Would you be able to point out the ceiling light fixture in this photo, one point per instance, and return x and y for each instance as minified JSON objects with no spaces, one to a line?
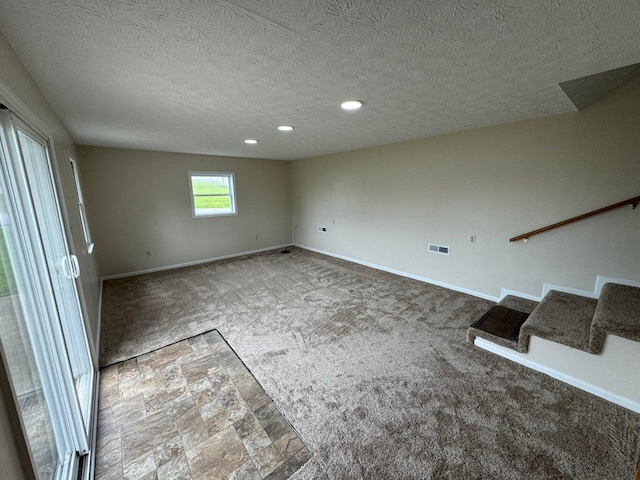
{"x":351,"y":105}
{"x":285,"y":128}
{"x":250,"y":141}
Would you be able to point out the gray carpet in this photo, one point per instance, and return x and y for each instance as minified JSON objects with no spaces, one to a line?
{"x":560,"y":317}
{"x":617,"y":313}
{"x":374,"y":372}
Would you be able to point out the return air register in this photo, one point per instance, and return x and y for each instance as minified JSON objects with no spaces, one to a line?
{"x":441,"y":249}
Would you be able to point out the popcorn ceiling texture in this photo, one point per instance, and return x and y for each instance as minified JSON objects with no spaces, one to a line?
{"x":200,"y":76}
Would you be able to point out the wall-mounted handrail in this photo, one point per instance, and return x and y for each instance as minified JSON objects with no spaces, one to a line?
{"x":525,"y":236}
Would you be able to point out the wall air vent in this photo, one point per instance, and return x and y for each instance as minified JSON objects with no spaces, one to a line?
{"x":441,"y":249}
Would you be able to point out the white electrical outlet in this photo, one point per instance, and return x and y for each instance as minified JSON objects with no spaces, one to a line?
{"x":322,"y":229}
{"x":472,"y":239}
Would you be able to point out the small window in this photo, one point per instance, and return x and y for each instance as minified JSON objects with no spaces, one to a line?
{"x":212,"y":194}
{"x":83,"y":213}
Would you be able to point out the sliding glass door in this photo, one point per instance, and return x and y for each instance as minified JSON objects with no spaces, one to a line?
{"x":42,"y":332}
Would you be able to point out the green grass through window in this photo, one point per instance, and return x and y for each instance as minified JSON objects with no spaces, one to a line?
{"x":212,"y":194}
{"x":212,"y":202}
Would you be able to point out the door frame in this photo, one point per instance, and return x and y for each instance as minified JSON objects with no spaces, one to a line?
{"x":20,"y":110}
{"x":13,"y":102}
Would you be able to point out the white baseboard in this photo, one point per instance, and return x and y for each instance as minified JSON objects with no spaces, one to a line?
{"x":403,"y":274}
{"x":504,"y":292}
{"x":597,"y":289}
{"x":601,"y":280}
{"x":563,"y":377}
{"x":195,"y":262}
{"x":547,"y":287}
{"x":99,"y":332}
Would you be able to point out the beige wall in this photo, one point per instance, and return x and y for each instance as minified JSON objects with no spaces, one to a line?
{"x":15,"y":80}
{"x":389,"y":202}
{"x":139,"y":201}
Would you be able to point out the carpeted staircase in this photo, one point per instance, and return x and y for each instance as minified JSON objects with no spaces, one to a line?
{"x":573,"y":320}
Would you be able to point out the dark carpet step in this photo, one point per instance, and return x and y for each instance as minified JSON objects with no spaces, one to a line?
{"x":501,"y":324}
{"x":502,"y":321}
{"x":617,"y":313}
{"x":562,"y":318}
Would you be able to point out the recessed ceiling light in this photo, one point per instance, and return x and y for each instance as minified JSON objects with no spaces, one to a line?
{"x":351,"y":105}
{"x":285,"y":128}
{"x":251,"y":141}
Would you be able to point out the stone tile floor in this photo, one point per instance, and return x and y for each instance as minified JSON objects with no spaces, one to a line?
{"x":191,"y":410}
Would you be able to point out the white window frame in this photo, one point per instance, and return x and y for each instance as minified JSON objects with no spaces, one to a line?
{"x":83,"y":212}
{"x":232,"y":193}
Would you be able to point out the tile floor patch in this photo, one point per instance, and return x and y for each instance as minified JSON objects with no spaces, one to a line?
{"x":191,"y":410}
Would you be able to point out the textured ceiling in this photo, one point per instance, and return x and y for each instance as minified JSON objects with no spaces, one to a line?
{"x":200,"y":76}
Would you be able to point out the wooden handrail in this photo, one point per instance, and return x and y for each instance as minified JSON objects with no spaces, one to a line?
{"x":525,"y":236}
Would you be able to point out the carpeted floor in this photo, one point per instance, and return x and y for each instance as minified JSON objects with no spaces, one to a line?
{"x":374,"y":372}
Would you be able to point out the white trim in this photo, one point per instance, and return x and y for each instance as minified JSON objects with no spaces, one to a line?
{"x":597,"y":289}
{"x":547,"y":287}
{"x":563,"y":377}
{"x":89,"y":470}
{"x":601,"y":280}
{"x":504,"y":292}
{"x":231,"y":176}
{"x":195,"y":262}
{"x":17,"y":106}
{"x":99,"y":332}
{"x":403,"y":274}
{"x":68,"y":468}
{"x":82,"y":212}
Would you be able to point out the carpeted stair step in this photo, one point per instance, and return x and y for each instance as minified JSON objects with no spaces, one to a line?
{"x":560,"y":317}
{"x":617,"y":313}
{"x":511,"y":310}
